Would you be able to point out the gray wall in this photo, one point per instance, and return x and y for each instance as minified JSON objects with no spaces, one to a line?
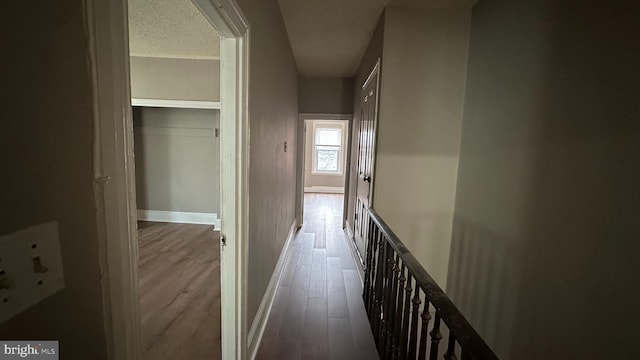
{"x":374,"y":51}
{"x":325,"y":95}
{"x":273,"y":115}
{"x":46,"y":153}
{"x":175,"y":79}
{"x":177,"y":159}
{"x":545,"y":244}
{"x":420,"y":118}
{"x":311,"y":179}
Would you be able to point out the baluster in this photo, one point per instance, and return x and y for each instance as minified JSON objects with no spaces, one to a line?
{"x":367,"y":271}
{"x":399,"y":310}
{"x":374,"y":272}
{"x":451,"y":348}
{"x":405,"y":318}
{"x":377,"y":295}
{"x":382,"y":316}
{"x":413,"y":339}
{"x":424,"y":329}
{"x":382,"y":330}
{"x":392,"y":303}
{"x":374,"y":276}
{"x":435,"y":337}
{"x":363,"y":211}
{"x":368,"y":226}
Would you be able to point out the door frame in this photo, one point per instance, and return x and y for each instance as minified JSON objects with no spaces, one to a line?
{"x":114,"y":173}
{"x":300,"y":162}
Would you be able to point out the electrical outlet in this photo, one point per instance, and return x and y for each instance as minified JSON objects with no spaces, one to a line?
{"x":30,"y":268}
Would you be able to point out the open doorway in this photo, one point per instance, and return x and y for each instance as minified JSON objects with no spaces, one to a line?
{"x":323,"y":157}
{"x":115,"y":175}
{"x":175,"y":93}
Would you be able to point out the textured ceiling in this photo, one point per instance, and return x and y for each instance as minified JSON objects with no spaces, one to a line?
{"x":170,"y":28}
{"x":329,"y":37}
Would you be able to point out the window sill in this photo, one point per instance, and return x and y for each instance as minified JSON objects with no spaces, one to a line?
{"x":316,"y":173}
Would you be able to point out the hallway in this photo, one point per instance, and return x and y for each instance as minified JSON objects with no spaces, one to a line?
{"x":318,"y":311}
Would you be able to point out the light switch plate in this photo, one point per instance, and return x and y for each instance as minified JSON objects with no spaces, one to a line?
{"x":30,"y":268}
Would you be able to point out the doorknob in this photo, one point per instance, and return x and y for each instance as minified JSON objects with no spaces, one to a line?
{"x":367,"y":179}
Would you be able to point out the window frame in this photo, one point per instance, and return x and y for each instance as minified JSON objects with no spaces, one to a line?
{"x":324,"y":124}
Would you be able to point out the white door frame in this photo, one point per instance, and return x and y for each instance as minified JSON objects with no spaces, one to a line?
{"x":114,"y":175}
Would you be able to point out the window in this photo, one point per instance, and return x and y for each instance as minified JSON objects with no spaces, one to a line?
{"x":327,"y":154}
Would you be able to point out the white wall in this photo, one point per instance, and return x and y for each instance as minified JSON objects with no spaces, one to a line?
{"x":325,"y":95}
{"x":544,"y":260}
{"x":315,"y":179}
{"x":175,"y":79}
{"x":177,"y":159}
{"x":421,"y":102}
{"x":273,"y":118}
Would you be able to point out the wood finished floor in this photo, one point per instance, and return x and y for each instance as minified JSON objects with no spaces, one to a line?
{"x":179,"y":272}
{"x":318,"y":312}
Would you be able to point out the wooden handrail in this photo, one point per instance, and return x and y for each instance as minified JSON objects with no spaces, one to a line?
{"x":473,"y":347}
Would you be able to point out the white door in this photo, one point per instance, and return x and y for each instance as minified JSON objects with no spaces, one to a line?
{"x":366,"y":153}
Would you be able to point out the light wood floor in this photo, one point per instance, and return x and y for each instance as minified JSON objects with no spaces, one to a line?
{"x":318,"y":312}
{"x":179,"y":291}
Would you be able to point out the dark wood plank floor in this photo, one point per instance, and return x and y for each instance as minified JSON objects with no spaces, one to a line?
{"x":318,"y":312}
{"x":179,"y":291}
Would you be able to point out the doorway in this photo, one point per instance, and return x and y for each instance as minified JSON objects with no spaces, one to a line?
{"x":115,"y":178}
{"x":323,"y":157}
{"x":175,"y":92}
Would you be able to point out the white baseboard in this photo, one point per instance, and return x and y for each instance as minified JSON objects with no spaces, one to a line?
{"x":347,"y":229}
{"x":354,"y":253}
{"x":260,"y":321}
{"x":324,"y":189}
{"x":180,"y":217}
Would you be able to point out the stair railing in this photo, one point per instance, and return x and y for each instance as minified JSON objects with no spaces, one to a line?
{"x":401,"y":299}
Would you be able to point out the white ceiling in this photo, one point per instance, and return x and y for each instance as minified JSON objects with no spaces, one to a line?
{"x":329,"y":37}
{"x":172,"y":29}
